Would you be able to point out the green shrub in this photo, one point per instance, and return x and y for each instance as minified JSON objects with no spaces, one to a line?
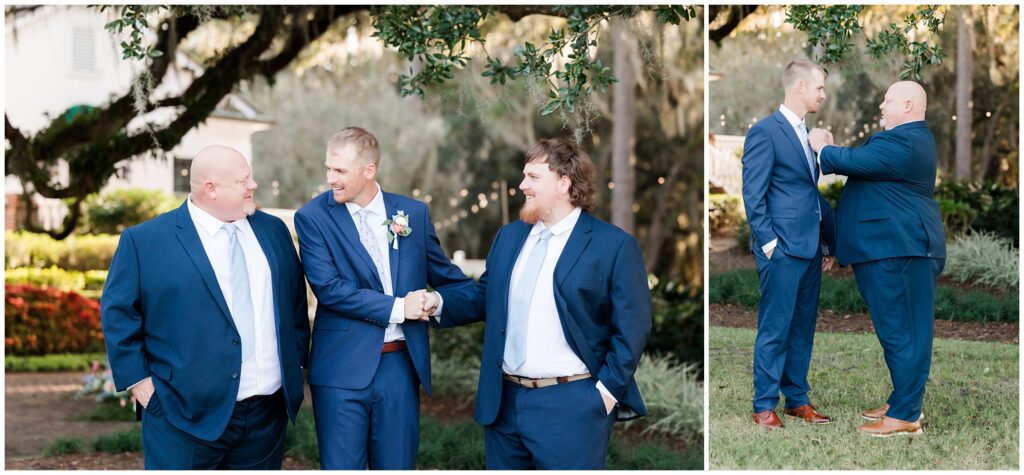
{"x":119,"y":442}
{"x":983,"y":259}
{"x":77,"y":252}
{"x":115,"y":210}
{"x":677,"y":321}
{"x":742,"y":234}
{"x":53,"y":362}
{"x":993,"y":207}
{"x":43,"y":321}
{"x":724,"y":213}
{"x":64,"y":446}
{"x":51,"y":277}
{"x":673,"y":396}
{"x":455,"y":376}
{"x":832,"y":191}
{"x":839,"y":294}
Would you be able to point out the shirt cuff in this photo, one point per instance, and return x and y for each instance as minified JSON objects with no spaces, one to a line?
{"x":129,"y":388}
{"x":440,"y":303}
{"x":604,"y":390}
{"x":398,"y":311}
{"x":767,"y":248}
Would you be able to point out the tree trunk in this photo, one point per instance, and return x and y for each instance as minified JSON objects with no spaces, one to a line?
{"x":964,"y":70}
{"x":623,"y":124}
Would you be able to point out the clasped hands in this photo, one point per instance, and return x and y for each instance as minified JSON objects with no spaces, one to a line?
{"x":420,"y":304}
{"x":819,"y":138}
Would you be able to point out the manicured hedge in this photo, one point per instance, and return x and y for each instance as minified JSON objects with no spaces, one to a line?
{"x":41,"y":321}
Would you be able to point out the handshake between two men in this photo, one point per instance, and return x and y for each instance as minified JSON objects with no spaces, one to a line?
{"x":420,"y":305}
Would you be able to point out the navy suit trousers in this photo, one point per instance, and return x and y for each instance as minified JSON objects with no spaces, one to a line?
{"x":253,"y":439}
{"x":900,"y":293}
{"x":376,"y":427}
{"x":786,"y":316}
{"x":560,"y":427}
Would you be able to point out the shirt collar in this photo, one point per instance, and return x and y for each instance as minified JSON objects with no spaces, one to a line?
{"x":208,"y":223}
{"x":563,"y":226}
{"x":790,"y":116}
{"x":376,"y":205}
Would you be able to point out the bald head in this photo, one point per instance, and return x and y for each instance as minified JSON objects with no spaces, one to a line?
{"x":905,"y":101}
{"x":222,"y":184}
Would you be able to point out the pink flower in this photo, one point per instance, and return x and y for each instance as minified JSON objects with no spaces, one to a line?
{"x":397,"y":229}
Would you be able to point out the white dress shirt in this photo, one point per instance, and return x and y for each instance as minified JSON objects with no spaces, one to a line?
{"x":261,"y":373}
{"x":375,"y":220}
{"x":548,"y":355}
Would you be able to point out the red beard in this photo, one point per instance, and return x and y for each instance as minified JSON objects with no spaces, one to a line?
{"x":529,"y":213}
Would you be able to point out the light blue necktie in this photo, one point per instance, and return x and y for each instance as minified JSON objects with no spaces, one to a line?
{"x":370,"y":243}
{"x":519,"y":304}
{"x":241,"y":296}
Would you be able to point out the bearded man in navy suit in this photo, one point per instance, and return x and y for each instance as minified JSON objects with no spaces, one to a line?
{"x":567,"y":315}
{"x":892,"y":234}
{"x":204,"y":316}
{"x":792,"y":228}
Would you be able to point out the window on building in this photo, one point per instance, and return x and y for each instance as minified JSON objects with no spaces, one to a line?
{"x":181,"y":178}
{"x":83,"y":49}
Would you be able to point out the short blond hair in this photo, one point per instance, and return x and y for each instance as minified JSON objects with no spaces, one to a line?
{"x":799,"y":69}
{"x":365,"y":143}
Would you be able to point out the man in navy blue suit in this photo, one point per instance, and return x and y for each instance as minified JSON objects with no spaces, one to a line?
{"x":204,"y":316}
{"x":791,"y":229}
{"x":368,"y":256}
{"x":892,"y":235}
{"x":568,"y":314}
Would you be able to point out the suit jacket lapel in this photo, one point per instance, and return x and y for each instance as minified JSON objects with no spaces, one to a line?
{"x":188,"y":236}
{"x":517,"y":238}
{"x":348,"y":229}
{"x":574,"y":247}
{"x":391,"y":208}
{"x":268,"y":250}
{"x":787,"y":130}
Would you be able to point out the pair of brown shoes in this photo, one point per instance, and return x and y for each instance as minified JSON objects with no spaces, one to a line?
{"x":884,"y":426}
{"x":769,"y":420}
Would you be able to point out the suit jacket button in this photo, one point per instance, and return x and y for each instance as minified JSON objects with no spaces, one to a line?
{"x":234,"y":341}
{"x":234,"y":376}
{"x":499,"y":364}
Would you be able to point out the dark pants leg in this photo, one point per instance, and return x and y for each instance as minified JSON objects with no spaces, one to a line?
{"x":786,"y":317}
{"x":253,"y":439}
{"x":376,"y":427}
{"x":560,"y":427}
{"x":900,"y":293}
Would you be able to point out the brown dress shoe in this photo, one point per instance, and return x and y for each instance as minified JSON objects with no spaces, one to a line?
{"x":768,"y":419}
{"x":878,"y":413}
{"x":888,"y":427}
{"x":807,"y":413}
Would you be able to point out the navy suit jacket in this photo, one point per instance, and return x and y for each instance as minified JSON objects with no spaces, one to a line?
{"x":352,"y":310}
{"x":165,"y":316}
{"x":780,"y":194}
{"x":603,"y":303}
{"x":887,"y":209}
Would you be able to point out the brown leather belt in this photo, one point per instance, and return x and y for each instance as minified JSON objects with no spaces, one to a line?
{"x":397,"y":345}
{"x":536,"y":383}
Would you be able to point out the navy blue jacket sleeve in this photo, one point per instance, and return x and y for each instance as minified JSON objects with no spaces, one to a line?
{"x":121,"y":318}
{"x":339,"y":295}
{"x":758,"y":160}
{"x":630,"y":319}
{"x":885,"y":156}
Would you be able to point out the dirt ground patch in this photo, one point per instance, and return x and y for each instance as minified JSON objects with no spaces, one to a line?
{"x":828,"y":321}
{"x":105,"y":461}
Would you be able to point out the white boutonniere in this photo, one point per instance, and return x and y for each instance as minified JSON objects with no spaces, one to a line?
{"x":398,"y":226}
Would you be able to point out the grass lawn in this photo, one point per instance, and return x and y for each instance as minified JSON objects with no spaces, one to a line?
{"x":971,"y":408}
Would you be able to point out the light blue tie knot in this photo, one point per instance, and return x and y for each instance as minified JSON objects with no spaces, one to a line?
{"x":241,"y":295}
{"x":519,"y":304}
